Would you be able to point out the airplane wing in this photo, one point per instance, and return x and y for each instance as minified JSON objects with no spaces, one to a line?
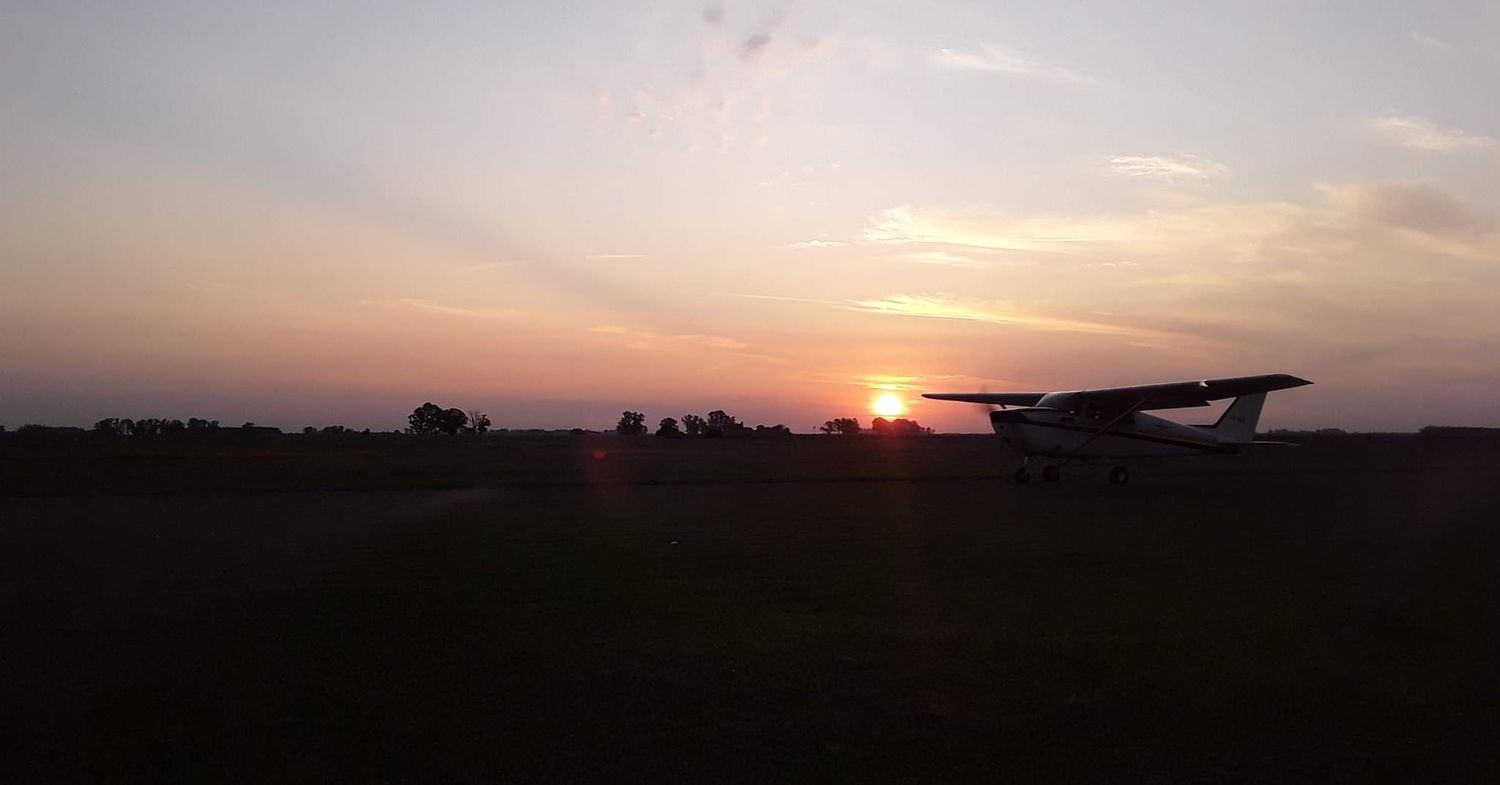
{"x":1178,"y":395}
{"x":1004,"y":399}
{"x":1170,"y":395}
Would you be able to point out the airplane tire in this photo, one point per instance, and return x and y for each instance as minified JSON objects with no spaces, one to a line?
{"x":1022,"y":476}
{"x":1051,"y":473}
{"x":1119,"y":476}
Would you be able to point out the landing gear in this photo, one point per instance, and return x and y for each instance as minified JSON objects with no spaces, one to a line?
{"x":1119,"y":476}
{"x":1022,"y":476}
{"x":1051,"y":473}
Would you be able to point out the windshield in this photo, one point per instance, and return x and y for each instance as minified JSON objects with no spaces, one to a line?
{"x":1066,"y":401}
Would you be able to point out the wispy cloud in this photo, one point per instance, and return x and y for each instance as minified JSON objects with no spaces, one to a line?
{"x":949,"y":307}
{"x":1414,"y":214}
{"x":981,"y":229}
{"x":1169,"y":169}
{"x":1419,"y":133}
{"x":947,"y":259}
{"x":1422,"y":216}
{"x":995,"y":59}
{"x":817,"y":244}
{"x":755,"y":46}
{"x":1428,"y":40}
{"x":653,"y":341}
{"x":613,"y":257}
{"x":432,"y":307}
{"x":497,"y":265}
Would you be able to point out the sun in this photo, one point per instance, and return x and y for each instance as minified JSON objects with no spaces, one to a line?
{"x":888,"y":405}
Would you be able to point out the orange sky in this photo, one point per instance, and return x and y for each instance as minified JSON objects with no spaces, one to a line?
{"x":296,"y":216}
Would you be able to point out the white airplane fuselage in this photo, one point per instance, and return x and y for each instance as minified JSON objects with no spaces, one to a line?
{"x":1061,"y":434}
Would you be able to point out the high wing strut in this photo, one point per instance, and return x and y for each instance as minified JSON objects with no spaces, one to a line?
{"x":1096,"y":434}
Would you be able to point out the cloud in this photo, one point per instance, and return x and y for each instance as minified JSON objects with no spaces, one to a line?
{"x":1224,"y":232}
{"x":995,"y":59}
{"x":755,"y":46}
{"x":710,"y":341}
{"x":1417,"y":214}
{"x":817,"y":244}
{"x":652,"y":341}
{"x":1424,"y":217}
{"x":1419,"y":133}
{"x":707,"y":81}
{"x":949,"y":307}
{"x":1421,"y":207}
{"x":1169,"y":169}
{"x":496,"y":265}
{"x":1370,"y":282}
{"x":1428,"y":40}
{"x":613,"y":257}
{"x":431,"y":307}
{"x":947,"y":258}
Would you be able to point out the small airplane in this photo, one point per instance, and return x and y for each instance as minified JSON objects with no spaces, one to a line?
{"x":1111,"y":422}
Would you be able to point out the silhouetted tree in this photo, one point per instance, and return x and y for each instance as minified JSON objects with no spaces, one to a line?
{"x":479,"y":422}
{"x":429,"y":419}
{"x":110,"y":426}
{"x":693,"y":424}
{"x":309,"y":430}
{"x":719,"y":423}
{"x":843,"y":426}
{"x":668,"y":428}
{"x":772,"y":430}
{"x":631,"y":424}
{"x":898,"y":427}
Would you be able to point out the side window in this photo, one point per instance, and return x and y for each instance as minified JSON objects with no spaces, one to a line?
{"x":1104,"y":414}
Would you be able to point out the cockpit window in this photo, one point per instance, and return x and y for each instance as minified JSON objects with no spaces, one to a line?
{"x":1066,"y":401}
{"x":1104,"y":414}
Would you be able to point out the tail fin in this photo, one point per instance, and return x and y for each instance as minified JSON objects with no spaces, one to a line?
{"x":1237,"y":424}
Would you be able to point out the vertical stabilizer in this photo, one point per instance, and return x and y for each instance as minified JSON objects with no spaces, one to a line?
{"x":1237,"y":424}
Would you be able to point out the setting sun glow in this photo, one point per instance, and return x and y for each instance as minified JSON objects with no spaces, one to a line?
{"x":888,"y":405}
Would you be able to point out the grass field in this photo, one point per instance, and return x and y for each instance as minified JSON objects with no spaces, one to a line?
{"x":809,"y":609}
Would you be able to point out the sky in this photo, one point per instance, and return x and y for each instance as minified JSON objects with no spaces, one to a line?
{"x":318,"y":213}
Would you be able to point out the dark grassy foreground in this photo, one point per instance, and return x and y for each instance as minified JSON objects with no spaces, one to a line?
{"x":803,"y":610}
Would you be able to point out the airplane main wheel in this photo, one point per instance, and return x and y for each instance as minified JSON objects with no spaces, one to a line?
{"x":1022,"y":476}
{"x":1118,"y":476}
{"x":1051,"y":473}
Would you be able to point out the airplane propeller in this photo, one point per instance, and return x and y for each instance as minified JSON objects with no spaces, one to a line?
{"x":991,"y":408}
{"x":987,"y":407}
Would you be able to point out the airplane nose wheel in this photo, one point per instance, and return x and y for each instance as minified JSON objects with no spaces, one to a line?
{"x":1051,"y":473}
{"x":1022,"y":476}
{"x":1119,"y":476}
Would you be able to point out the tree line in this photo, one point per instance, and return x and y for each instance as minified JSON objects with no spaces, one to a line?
{"x":848,"y":426}
{"x":429,"y":419}
{"x":717,"y":424}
